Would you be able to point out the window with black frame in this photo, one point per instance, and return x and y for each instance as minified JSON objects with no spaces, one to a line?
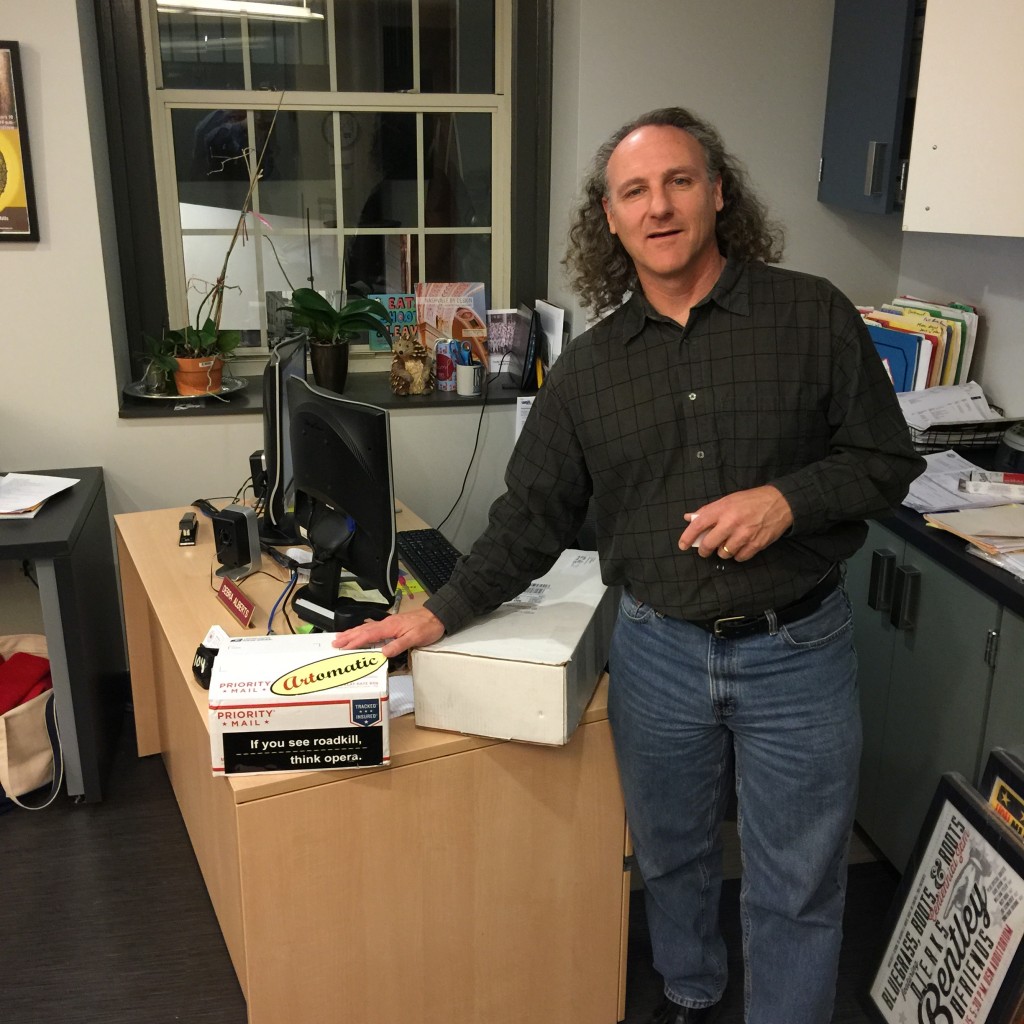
{"x":369,"y":182}
{"x":371,"y":132}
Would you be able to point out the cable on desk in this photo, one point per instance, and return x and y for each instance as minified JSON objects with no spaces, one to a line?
{"x":476,"y":441}
{"x":284,"y":597}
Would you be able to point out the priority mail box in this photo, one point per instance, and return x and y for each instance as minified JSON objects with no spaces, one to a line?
{"x":294,"y":703}
{"x":528,"y":670}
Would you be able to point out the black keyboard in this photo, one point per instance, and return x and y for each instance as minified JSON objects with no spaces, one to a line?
{"x":429,"y":555}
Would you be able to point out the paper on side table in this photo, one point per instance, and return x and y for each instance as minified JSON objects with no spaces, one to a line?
{"x":22,"y":493}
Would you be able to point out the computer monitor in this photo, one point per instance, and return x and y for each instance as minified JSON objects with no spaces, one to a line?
{"x":276,"y":523}
{"x":344,"y":504}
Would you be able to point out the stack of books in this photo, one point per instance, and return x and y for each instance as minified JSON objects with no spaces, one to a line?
{"x":923,"y":343}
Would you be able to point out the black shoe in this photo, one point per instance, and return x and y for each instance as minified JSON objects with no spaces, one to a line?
{"x":672,"y":1013}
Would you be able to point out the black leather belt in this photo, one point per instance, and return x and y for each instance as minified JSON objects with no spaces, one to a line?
{"x":730,"y":627}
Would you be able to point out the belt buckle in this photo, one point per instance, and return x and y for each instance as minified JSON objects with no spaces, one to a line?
{"x":716,"y":626}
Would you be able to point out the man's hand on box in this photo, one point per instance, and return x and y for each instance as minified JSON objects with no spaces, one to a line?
{"x":402,"y":631}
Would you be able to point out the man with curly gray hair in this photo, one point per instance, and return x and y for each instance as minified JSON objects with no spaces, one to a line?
{"x":730,"y":426}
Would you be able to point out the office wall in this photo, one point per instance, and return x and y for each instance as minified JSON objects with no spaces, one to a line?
{"x":58,"y":400}
{"x":758,"y":72}
{"x":987,"y":272}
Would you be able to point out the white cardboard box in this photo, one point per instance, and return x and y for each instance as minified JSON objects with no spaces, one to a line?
{"x":528,"y":670}
{"x":294,"y":703}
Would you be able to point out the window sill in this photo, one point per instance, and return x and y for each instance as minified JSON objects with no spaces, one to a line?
{"x":372,"y":388}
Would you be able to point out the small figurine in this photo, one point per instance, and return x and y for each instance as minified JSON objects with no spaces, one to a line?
{"x":412,"y":366}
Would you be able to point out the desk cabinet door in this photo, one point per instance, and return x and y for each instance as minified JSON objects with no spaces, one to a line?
{"x":937,"y":693}
{"x":1005,"y":726}
{"x":873,"y":636}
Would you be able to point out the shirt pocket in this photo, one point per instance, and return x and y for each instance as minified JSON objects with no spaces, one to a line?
{"x":766,"y":429}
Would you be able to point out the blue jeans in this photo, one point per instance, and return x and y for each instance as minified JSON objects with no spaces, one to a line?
{"x":782,"y":710}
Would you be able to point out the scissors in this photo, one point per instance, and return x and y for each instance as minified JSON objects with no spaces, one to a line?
{"x":463,"y":353}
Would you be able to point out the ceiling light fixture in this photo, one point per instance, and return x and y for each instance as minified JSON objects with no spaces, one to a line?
{"x":236,"y":8}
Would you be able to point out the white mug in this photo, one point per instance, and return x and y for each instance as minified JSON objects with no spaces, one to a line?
{"x":469,"y":380}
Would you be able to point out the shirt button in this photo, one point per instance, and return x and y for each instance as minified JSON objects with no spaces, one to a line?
{"x":692,"y":396}
{"x":700,"y":455}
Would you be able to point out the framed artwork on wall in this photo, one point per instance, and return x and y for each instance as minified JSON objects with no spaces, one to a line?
{"x":18,"y":222}
{"x":953,"y":951}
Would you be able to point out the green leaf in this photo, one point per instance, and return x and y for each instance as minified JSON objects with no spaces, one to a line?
{"x":366,"y":321}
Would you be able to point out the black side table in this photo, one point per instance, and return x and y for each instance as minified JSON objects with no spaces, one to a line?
{"x":69,"y":543}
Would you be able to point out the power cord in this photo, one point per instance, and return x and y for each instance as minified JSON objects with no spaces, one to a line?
{"x":476,"y":441}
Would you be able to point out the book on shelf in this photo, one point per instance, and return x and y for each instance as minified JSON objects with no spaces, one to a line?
{"x":401,"y":308}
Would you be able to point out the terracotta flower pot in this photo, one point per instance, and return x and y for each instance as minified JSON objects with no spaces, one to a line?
{"x":199,"y":376}
{"x":330,"y":365}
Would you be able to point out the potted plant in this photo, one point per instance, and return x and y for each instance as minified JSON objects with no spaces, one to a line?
{"x":157,"y":376}
{"x":330,"y":330}
{"x":199,"y":354}
{"x":195,"y":354}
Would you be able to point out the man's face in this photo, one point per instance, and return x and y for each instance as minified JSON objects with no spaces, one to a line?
{"x":661,"y":204}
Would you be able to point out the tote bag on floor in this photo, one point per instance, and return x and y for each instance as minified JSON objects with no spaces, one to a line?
{"x":30,"y":754}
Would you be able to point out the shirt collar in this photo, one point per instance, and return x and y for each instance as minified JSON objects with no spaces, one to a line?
{"x":731,"y":292}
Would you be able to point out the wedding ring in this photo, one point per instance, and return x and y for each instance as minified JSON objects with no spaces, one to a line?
{"x":725,"y":550}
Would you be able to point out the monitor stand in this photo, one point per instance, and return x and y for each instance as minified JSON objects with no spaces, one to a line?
{"x":345,"y":613}
{"x":287,"y":534}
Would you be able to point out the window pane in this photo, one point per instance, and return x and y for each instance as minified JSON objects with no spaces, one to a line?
{"x":298,"y":169}
{"x":378,"y":169}
{"x":373,"y":41}
{"x":374,"y":46}
{"x":204,"y":258}
{"x":210,"y":156}
{"x":200,"y":51}
{"x":456,"y":46}
{"x":287,"y":259}
{"x":459,"y":258}
{"x":457,"y":166}
{"x":381,"y":264}
{"x":290,"y":54}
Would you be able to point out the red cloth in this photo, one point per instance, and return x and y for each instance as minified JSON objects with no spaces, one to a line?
{"x":22,"y":677}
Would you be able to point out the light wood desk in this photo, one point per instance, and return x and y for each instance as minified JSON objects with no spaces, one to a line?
{"x":473,"y":880}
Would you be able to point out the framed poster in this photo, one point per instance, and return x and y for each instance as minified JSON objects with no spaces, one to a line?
{"x":18,"y":221}
{"x":953,"y":952}
{"x":1002,"y":786}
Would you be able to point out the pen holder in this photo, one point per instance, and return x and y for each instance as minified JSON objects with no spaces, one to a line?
{"x":469,"y":380}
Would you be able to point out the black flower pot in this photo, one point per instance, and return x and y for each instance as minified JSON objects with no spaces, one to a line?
{"x":330,"y":365}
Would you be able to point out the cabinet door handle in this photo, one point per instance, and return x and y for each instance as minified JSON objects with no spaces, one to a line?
{"x":873,"y":170}
{"x":903,"y":614}
{"x":883,"y":564}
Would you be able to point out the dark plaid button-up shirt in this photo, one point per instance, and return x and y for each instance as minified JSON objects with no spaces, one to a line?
{"x":773,"y":380}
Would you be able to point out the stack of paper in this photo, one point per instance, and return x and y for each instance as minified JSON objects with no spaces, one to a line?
{"x":923,"y":343}
{"x":955,"y":416}
{"x":22,"y":494}
{"x":940,"y":487}
{"x":998,"y":530}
